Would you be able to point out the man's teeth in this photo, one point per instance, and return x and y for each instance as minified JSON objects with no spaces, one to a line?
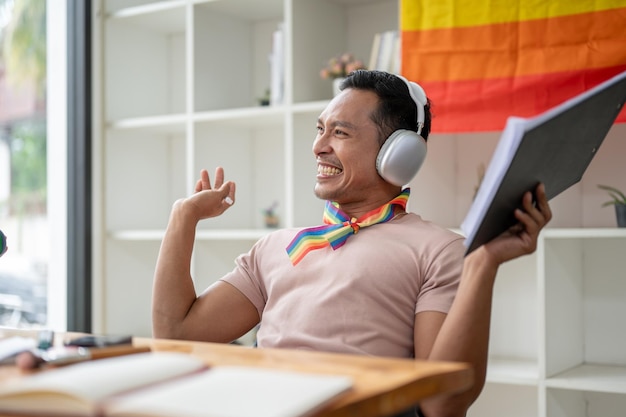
{"x":326,"y":170}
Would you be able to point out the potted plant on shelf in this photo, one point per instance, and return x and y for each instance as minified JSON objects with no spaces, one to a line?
{"x":270,"y":217}
{"x":618,"y":199}
{"x":338,"y":67}
{"x":265,"y":99}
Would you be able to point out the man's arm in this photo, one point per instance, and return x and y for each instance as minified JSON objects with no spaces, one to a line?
{"x":463,"y":335}
{"x":221,"y":313}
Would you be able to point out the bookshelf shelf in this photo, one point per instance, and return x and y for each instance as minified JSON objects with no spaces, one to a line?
{"x":244,"y":117}
{"x":513,"y":371}
{"x":174,"y":123}
{"x":208,"y":235}
{"x":597,"y":378}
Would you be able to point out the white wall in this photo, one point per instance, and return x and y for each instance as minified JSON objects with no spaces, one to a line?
{"x":443,"y":189}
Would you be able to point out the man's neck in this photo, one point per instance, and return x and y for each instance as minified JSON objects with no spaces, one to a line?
{"x":358,"y":209}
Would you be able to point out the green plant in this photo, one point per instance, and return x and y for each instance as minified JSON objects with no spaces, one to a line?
{"x":617,"y":197}
{"x":265,"y":100}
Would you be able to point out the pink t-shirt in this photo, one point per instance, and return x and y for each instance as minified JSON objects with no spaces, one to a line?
{"x":361,"y":298}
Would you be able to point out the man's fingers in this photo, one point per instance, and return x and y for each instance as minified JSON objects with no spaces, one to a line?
{"x":219,"y":177}
{"x":539,"y":209}
{"x":226,"y":189}
{"x":204,"y":177}
{"x":229,"y":190}
{"x":534,"y":215}
{"x":542,"y":203}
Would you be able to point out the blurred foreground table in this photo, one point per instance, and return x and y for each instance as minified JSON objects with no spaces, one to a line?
{"x":382,"y":386}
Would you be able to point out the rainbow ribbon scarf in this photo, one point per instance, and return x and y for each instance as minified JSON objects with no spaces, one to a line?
{"x":338,"y":227}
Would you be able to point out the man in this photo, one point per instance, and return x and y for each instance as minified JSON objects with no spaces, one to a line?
{"x":399,"y":287}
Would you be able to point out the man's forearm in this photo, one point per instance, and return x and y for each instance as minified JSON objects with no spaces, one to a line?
{"x":173,"y":291}
{"x":464,"y":335}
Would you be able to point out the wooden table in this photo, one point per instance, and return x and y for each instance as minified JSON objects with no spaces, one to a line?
{"x":382,"y":386}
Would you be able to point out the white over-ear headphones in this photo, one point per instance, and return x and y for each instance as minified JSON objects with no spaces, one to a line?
{"x":404,"y":151}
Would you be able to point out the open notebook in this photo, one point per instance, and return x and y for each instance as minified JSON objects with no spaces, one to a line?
{"x":168,"y":384}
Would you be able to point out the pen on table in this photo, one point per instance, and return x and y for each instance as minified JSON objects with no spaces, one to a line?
{"x":70,"y":354}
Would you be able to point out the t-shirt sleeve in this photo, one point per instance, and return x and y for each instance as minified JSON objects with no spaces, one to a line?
{"x":443,"y":275}
{"x":245,"y":278}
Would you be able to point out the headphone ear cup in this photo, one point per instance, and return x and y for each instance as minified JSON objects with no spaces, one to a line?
{"x":400,"y":157}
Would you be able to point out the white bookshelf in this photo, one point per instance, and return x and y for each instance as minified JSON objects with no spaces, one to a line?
{"x":177,"y":91}
{"x":557,"y":328}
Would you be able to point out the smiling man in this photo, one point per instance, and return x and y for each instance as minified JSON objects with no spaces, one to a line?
{"x":374,"y":279}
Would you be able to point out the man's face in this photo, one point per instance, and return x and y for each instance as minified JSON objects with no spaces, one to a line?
{"x":346,"y":147}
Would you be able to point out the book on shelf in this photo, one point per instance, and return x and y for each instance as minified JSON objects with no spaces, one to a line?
{"x":385,"y":52}
{"x":373,"y":62}
{"x":554,"y":148}
{"x":168,"y":384}
{"x":277,"y":64}
{"x":396,"y":53}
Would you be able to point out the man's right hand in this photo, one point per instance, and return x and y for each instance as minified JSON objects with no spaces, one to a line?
{"x":209,"y":202}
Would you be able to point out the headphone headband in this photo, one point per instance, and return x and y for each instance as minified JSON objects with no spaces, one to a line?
{"x":418,"y":95}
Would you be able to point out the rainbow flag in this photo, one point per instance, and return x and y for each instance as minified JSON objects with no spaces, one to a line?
{"x":482,"y":61}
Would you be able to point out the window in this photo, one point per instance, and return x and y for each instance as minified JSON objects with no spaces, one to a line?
{"x":23,"y":164}
{"x":34,"y":164}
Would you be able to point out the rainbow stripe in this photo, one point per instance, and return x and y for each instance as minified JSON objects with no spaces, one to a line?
{"x":481,"y":62}
{"x":338,"y":227}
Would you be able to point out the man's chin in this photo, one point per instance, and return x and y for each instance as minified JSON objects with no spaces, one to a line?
{"x":322,"y":192}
